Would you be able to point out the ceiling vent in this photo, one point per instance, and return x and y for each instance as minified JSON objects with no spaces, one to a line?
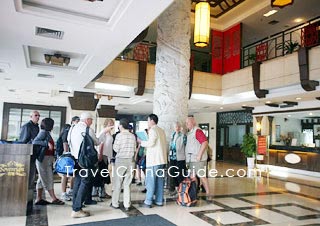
{"x":45,"y":76}
{"x":273,"y":22}
{"x":49,"y":33}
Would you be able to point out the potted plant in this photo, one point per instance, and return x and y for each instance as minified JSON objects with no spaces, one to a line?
{"x":290,"y":47}
{"x":252,"y":58}
{"x":248,"y":148}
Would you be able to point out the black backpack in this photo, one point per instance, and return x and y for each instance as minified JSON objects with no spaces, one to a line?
{"x":88,"y":156}
{"x":59,"y":147}
{"x":59,"y":142}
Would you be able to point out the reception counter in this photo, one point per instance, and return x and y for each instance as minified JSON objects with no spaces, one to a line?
{"x":309,"y":157}
{"x":14,"y":177}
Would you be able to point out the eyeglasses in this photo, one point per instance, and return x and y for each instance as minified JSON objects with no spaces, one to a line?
{"x":37,"y":115}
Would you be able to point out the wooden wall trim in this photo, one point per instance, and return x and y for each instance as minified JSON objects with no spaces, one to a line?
{"x":142,"y":74}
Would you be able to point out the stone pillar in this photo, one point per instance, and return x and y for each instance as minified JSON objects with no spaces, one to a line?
{"x":171,"y":90}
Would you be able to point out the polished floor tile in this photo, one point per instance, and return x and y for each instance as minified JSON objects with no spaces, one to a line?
{"x":296,"y":211}
{"x":228,"y":218}
{"x":269,"y":216}
{"x":235,"y":200}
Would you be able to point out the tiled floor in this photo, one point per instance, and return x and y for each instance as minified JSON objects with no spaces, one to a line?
{"x":234,"y":201}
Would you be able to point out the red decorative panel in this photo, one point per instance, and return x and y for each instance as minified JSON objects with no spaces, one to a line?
{"x":232,"y":45}
{"x":141,"y":52}
{"x":309,"y":35}
{"x":261,"y":51}
{"x":226,"y":50}
{"x":217,"y":54}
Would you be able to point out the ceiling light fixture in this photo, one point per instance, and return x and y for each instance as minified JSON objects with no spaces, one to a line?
{"x":57,"y":59}
{"x":281,"y":3}
{"x":205,"y":97}
{"x":108,"y":86}
{"x":271,"y":12}
{"x":298,"y":20}
{"x":202,"y":24}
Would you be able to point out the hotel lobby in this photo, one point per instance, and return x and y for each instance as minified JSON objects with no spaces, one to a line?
{"x":256,"y":72}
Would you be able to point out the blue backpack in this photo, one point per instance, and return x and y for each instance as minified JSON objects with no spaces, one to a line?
{"x":65,"y":164}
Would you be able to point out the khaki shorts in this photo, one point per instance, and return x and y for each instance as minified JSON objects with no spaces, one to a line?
{"x":198,"y":168}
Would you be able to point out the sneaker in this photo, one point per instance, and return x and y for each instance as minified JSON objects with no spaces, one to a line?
{"x":103,"y":194}
{"x":114,"y":207}
{"x":144,"y":205}
{"x":80,"y":214}
{"x":65,"y":197}
{"x":70,"y":193}
{"x":144,"y":190}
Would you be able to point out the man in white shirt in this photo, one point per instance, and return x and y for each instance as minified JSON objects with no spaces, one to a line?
{"x":156,"y":159}
{"x":82,"y":183}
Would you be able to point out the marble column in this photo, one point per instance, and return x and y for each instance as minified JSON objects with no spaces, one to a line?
{"x":171,"y":90}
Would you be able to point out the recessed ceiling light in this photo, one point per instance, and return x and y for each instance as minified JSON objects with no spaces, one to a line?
{"x":268,"y":102}
{"x":207,"y":97}
{"x":244,"y":105}
{"x":298,"y":20}
{"x":310,"y":113}
{"x":271,"y":12}
{"x":298,"y":98}
{"x":221,"y":108}
{"x":289,"y":115}
{"x":108,"y":86}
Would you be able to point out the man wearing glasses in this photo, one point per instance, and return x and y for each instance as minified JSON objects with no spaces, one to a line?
{"x":27,"y":133}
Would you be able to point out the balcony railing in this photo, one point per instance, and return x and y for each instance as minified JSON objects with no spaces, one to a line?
{"x":280,"y":44}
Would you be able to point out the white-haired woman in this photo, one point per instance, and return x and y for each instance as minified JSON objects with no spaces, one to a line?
{"x":177,"y":156}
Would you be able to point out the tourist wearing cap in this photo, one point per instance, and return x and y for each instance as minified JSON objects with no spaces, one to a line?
{"x":82,"y":184}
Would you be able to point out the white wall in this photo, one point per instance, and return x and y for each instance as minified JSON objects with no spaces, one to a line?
{"x":1,"y":116}
{"x":210,"y":118}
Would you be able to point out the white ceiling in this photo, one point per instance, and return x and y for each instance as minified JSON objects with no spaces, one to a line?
{"x":94,"y":33}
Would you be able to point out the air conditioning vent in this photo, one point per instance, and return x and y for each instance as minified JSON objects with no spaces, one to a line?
{"x":45,"y":76}
{"x":41,"y":92}
{"x":49,"y":33}
{"x":273,"y":22}
{"x":64,"y":91}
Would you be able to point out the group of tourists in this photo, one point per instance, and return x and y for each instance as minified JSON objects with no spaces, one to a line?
{"x":123,"y":151}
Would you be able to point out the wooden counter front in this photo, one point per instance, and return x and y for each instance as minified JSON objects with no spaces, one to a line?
{"x":14,"y":176}
{"x":309,"y":160}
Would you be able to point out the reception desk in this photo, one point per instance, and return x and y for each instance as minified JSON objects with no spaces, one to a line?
{"x":309,"y":157}
{"x":14,"y":176}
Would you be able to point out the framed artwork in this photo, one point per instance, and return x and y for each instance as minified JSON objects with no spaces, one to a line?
{"x":278,"y":132}
{"x":316,"y":130}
